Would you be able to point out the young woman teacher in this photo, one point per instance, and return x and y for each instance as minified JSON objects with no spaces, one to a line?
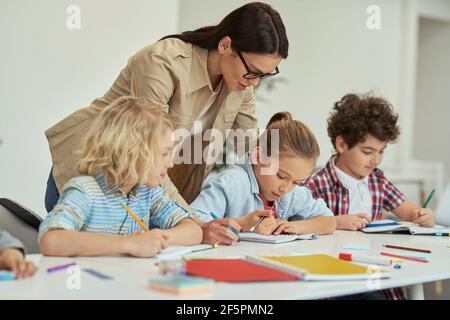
{"x":204,"y":75}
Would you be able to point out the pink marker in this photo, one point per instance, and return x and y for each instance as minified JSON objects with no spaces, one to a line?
{"x":365,"y":259}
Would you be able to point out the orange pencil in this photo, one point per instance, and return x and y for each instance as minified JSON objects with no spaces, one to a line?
{"x":131,"y":213}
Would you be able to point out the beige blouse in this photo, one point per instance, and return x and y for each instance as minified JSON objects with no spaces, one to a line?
{"x":171,"y":73}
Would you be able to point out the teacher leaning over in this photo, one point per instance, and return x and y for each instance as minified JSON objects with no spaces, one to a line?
{"x":204,"y":75}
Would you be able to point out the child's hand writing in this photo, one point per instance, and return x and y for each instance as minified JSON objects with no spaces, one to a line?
{"x":424,"y":217}
{"x":267,"y":226}
{"x":250,"y":219}
{"x":147,"y":244}
{"x":352,"y":222}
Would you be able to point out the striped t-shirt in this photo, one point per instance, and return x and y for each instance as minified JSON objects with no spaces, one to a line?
{"x":88,"y":204}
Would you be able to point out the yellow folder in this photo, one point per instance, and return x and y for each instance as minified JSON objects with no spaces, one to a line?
{"x":320,"y":267}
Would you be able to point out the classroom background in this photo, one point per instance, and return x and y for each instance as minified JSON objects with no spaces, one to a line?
{"x":47,"y":71}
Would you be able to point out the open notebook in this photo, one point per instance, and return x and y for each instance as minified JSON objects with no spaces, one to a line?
{"x":390,"y":226}
{"x":282,"y":238}
{"x":174,"y":252}
{"x":319,"y":267}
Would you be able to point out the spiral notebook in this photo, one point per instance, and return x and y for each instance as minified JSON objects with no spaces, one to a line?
{"x":282,"y":238}
{"x":389,"y":226}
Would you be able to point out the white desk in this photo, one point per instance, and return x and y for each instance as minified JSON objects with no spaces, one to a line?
{"x":131,"y":275}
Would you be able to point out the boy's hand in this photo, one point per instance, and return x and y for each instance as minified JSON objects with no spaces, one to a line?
{"x":13,"y":260}
{"x":147,"y":244}
{"x":352,"y":222}
{"x":424,"y":217}
{"x":284,"y":226}
{"x":267,"y":226}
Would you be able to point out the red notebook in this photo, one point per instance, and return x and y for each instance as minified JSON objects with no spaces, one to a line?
{"x":235,"y":270}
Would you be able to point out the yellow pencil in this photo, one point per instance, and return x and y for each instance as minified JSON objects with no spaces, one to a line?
{"x":131,"y":213}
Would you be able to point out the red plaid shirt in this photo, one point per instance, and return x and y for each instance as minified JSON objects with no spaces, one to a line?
{"x":325,"y":184}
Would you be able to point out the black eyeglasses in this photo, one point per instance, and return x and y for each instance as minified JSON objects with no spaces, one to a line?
{"x":252,"y":75}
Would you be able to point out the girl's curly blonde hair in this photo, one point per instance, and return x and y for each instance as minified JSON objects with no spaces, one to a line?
{"x":124,"y":140}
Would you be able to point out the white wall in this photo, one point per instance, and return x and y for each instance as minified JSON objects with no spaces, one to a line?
{"x":434,"y":9}
{"x":48,"y":71}
{"x":332,"y":52}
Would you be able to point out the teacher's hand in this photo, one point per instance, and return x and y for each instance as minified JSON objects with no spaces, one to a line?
{"x":216,"y":231}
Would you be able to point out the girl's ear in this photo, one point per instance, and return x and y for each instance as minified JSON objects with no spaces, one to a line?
{"x":341,"y":146}
{"x":224,"y":45}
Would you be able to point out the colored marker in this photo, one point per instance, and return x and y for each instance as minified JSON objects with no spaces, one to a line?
{"x":365,"y":259}
{"x":60,"y":267}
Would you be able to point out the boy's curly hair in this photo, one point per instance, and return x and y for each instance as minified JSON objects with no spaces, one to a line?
{"x":356,"y":116}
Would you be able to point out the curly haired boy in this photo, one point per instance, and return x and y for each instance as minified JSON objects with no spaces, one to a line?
{"x":360,"y":128}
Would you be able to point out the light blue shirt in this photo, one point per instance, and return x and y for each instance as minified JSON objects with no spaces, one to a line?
{"x":234,"y":192}
{"x":88,"y":204}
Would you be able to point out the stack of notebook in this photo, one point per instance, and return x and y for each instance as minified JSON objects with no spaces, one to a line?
{"x":181,"y":285}
{"x":316,"y":267}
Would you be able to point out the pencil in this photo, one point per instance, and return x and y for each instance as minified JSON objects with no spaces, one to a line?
{"x":260,"y":219}
{"x":406,"y":248}
{"x":256,"y":224}
{"x":135,"y":217}
{"x":430,"y":196}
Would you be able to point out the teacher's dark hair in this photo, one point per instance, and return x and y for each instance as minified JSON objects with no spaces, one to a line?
{"x":255,"y":27}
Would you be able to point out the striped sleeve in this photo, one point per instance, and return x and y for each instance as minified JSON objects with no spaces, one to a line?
{"x":70,"y":211}
{"x":165,"y":213}
{"x":392,"y":197}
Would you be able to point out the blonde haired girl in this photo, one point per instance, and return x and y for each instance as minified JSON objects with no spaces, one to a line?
{"x":125,"y":154}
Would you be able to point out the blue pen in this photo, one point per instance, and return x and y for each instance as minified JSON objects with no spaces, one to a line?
{"x":215,"y":216}
{"x":371,"y":225}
